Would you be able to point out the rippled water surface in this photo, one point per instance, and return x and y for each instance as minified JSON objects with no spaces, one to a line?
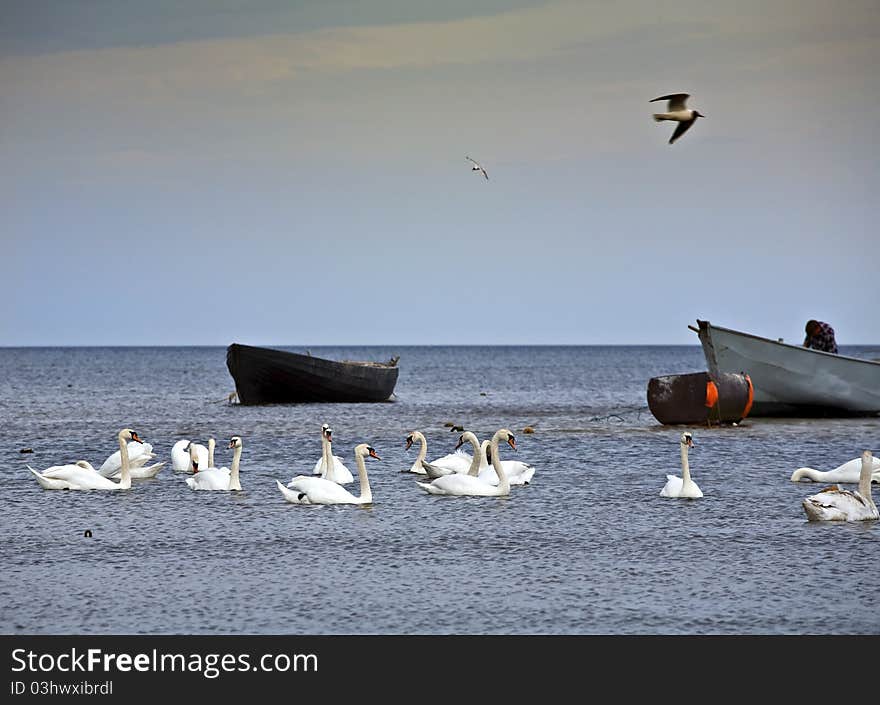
{"x":588,"y":548}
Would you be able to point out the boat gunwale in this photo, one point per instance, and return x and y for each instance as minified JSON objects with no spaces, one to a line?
{"x":838,"y":356}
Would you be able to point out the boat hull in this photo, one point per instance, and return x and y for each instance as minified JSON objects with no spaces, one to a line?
{"x":791,"y":380}
{"x":269,"y":376}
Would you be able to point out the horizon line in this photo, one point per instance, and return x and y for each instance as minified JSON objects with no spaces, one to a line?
{"x":370,"y":345}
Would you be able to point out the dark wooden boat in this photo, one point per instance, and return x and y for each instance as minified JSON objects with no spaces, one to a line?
{"x":269,"y":376}
{"x":700,"y":398}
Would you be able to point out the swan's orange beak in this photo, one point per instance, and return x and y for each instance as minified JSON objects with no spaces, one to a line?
{"x":511,"y":441}
{"x":408,"y":442}
{"x":195,"y":464}
{"x":460,"y":443}
{"x":373,"y":454}
{"x":691,"y":443}
{"x":135,"y":437}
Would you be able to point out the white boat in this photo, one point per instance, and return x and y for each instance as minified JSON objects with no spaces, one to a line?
{"x":791,"y":380}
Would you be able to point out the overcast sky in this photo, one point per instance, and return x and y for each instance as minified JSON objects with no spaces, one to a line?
{"x":276,"y":172}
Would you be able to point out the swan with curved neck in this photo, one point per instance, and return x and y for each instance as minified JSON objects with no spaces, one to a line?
{"x":330,"y":466}
{"x":836,"y":504}
{"x":463,"y":485}
{"x":139,"y":454}
{"x":320,"y":490}
{"x":518,"y":472}
{"x":180,"y":458}
{"x":78,"y":477}
{"x":849,"y":471}
{"x":682,"y":487}
{"x":450,"y":463}
{"x":213,"y":478}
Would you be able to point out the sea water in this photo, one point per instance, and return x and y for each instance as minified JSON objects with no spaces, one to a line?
{"x":589,"y":547}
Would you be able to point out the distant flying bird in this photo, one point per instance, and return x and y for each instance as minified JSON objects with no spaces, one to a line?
{"x":678,"y":112}
{"x":477,"y":167}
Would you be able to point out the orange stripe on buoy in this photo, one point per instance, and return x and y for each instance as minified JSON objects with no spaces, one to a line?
{"x":751,"y":396}
{"x":711,"y":394}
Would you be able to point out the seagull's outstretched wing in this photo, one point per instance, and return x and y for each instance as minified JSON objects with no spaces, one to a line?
{"x":676,"y":101}
{"x":680,"y":129}
{"x":477,"y":166}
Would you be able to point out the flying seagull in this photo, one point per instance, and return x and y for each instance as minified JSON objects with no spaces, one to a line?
{"x":477,"y":167}
{"x":684,"y":116}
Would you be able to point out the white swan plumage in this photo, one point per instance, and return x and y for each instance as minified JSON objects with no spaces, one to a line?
{"x":213,"y":478}
{"x":467,"y":485}
{"x":329,"y":466}
{"x":836,"y":504}
{"x":139,"y":454}
{"x":682,"y":487}
{"x":319,"y":490}
{"x":446,"y":465}
{"x":180,"y":457}
{"x":850,"y":471}
{"x":517,"y":472}
{"x":82,"y":476}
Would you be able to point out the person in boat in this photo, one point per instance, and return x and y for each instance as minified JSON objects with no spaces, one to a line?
{"x":820,"y":336}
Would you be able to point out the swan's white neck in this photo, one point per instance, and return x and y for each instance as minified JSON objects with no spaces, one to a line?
{"x":685,"y":467}
{"x":503,"y":482}
{"x":125,"y":480}
{"x":423,"y":448}
{"x":366,"y":496}
{"x":234,"y":483}
{"x":484,"y":457}
{"x":211,"y":444}
{"x":814,"y":475}
{"x":865,"y":479}
{"x":329,"y":473}
{"x":474,"y":469}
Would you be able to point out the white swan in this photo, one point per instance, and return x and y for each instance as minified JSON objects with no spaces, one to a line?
{"x":836,"y":504}
{"x":319,"y":490}
{"x":477,"y":459}
{"x":682,"y":486}
{"x":213,"y":478}
{"x":462,"y":485}
{"x":850,"y":471}
{"x":517,"y":472}
{"x":330,"y":466}
{"x":139,"y":454}
{"x":82,"y":476}
{"x":320,"y":466}
{"x":180,"y":458}
{"x":143,"y":453}
{"x":448,"y":464}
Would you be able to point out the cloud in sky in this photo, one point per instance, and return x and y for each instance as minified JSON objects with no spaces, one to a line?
{"x":357,"y":131}
{"x":519,"y":35}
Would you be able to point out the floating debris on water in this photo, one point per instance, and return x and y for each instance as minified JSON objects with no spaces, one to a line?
{"x":26,"y":450}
